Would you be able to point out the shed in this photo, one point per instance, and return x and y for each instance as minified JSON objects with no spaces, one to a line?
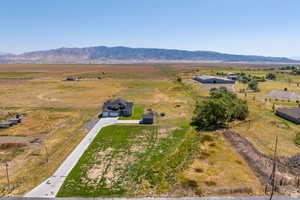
{"x":148,"y":118}
{"x":213,"y":79}
{"x":291,"y":114}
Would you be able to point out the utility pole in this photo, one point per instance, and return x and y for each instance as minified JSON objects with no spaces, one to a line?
{"x":7,"y":177}
{"x":273,"y":180}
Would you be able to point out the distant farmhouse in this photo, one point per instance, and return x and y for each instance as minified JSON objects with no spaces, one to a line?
{"x":213,"y":79}
{"x":117,"y":108}
{"x":72,"y":79}
{"x":12,"y":122}
{"x":291,"y":114}
{"x":232,"y":76}
{"x":283,"y":95}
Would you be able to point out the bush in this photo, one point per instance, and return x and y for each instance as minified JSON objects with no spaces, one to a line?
{"x":271,"y":76}
{"x":222,"y":107}
{"x":253,"y":85}
{"x":297,"y":139}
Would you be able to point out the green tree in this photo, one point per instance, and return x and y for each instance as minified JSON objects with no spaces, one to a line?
{"x":271,"y":76}
{"x":221,"y":108}
{"x":253,"y":85}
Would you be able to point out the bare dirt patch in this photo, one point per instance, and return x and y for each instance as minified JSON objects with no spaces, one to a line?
{"x":287,"y":180}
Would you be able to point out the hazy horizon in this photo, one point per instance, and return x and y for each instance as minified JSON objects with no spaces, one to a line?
{"x":250,"y":27}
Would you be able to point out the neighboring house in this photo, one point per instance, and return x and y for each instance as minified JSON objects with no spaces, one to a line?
{"x":15,"y":121}
{"x":283,"y":95}
{"x":117,"y":108}
{"x":5,"y":125}
{"x":291,"y":114}
{"x":72,"y":79}
{"x":148,"y":118}
{"x":232,"y":76}
{"x":213,"y":79}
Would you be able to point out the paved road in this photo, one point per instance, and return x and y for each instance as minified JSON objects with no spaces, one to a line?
{"x":51,"y":186}
{"x":128,"y":121}
{"x":185,"y":198}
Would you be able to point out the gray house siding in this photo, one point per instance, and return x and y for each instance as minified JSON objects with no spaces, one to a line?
{"x":117,"y":108}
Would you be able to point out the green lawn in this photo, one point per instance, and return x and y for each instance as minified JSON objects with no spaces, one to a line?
{"x":138,"y":111}
{"x":122,"y":158}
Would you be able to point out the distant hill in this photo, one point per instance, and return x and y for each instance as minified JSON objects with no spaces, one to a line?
{"x":295,"y":58}
{"x":103,"y":54}
{"x":4,"y":53}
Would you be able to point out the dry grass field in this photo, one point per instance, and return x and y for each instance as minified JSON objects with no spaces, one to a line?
{"x":56,"y":111}
{"x":200,"y":163}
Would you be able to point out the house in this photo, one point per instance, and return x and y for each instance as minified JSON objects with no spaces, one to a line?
{"x":117,"y":108}
{"x":232,"y":76}
{"x":72,"y":79}
{"x":5,"y":125}
{"x":291,"y":114}
{"x":15,"y":121}
{"x":148,"y":118}
{"x":283,"y":95}
{"x":213,"y":79}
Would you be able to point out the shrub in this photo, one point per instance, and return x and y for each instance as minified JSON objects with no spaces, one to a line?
{"x":210,"y":183}
{"x":253,"y":85}
{"x":271,"y":76}
{"x":297,"y":139}
{"x":198,"y":170}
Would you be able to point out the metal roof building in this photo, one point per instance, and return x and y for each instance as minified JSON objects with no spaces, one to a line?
{"x":213,"y":79}
{"x":283,"y":95}
{"x":291,"y":114}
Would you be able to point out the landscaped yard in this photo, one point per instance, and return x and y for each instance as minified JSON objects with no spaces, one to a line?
{"x":138,"y":111}
{"x":123,"y":159}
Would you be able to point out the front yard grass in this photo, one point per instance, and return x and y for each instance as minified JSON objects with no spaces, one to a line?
{"x":123,"y":160}
{"x":138,"y":111}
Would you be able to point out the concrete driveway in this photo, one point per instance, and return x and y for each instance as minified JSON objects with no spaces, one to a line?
{"x":51,"y":186}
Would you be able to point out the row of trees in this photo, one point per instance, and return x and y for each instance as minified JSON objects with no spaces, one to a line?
{"x":219,"y":109}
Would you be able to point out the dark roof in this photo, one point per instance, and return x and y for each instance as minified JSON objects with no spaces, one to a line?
{"x":149,"y":115}
{"x":293,"y":112}
{"x":117,"y":105}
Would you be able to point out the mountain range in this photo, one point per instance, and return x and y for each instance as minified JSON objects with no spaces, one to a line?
{"x":103,"y":54}
{"x":3,"y":53}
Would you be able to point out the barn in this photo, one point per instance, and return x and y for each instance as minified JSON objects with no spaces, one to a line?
{"x":213,"y":79}
{"x":291,"y":114}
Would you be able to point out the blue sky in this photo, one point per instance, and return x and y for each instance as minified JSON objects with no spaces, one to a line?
{"x":260,"y":27}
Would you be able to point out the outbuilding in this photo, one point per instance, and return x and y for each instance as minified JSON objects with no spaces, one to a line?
{"x":291,"y":114}
{"x":213,"y":79}
{"x":148,"y":118}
